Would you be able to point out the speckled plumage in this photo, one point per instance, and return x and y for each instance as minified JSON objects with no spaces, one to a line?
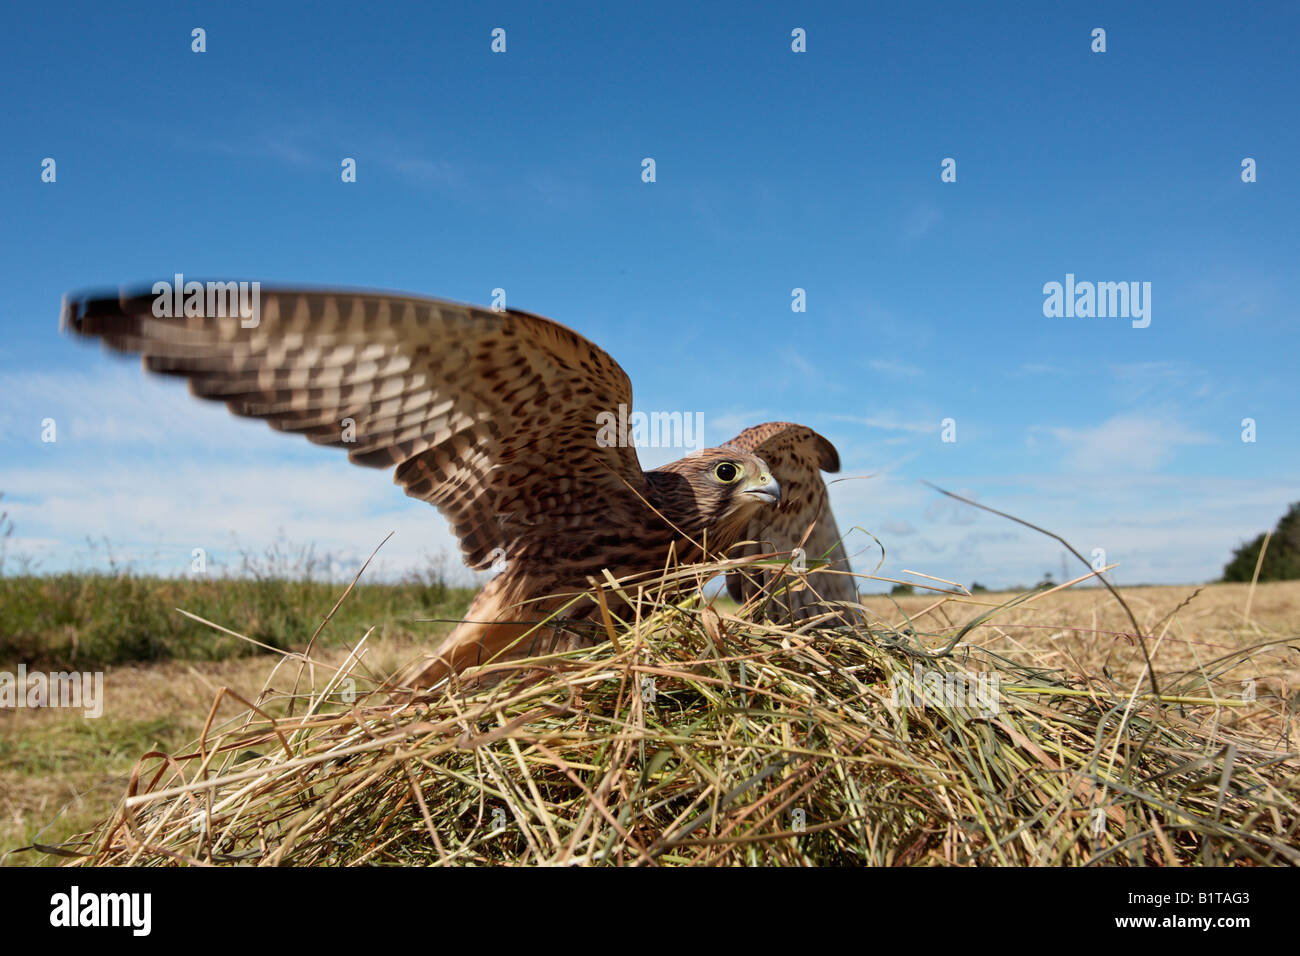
{"x":803,"y":520}
{"x":492,"y":418}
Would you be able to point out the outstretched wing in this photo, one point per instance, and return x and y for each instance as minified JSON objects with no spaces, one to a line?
{"x":490,"y":416}
{"x":797,"y":456}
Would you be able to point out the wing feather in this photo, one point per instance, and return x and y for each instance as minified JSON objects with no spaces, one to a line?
{"x":489,"y":416}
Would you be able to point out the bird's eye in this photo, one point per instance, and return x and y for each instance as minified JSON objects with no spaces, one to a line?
{"x":726,"y":472}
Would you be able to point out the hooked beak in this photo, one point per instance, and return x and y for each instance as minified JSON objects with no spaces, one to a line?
{"x":764,"y":488}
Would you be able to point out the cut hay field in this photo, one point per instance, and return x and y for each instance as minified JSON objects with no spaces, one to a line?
{"x":587,"y":771}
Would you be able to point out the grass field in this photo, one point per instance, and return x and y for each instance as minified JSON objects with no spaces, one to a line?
{"x":60,"y":773}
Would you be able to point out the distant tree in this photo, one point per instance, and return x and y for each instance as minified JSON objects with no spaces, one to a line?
{"x":977,"y":588}
{"x":1046,"y":583}
{"x":902,"y":589}
{"x":1281,"y":560}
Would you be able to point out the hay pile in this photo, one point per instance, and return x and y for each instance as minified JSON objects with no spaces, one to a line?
{"x":699,"y":737}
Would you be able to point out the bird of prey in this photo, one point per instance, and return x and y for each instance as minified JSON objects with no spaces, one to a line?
{"x":492,"y":417}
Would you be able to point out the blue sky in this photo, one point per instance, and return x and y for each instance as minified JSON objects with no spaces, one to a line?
{"x":775,"y":170}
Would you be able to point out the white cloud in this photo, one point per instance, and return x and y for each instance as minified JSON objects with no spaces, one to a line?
{"x":155,"y":517}
{"x":158,"y":473}
{"x":115,"y":404}
{"x":1161,"y":529}
{"x":1125,"y":443}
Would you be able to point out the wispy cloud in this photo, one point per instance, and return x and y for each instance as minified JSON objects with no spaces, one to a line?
{"x":1041,"y":368}
{"x":720,"y":428}
{"x":801,"y":364}
{"x":1143,"y":522}
{"x":427,"y":172}
{"x":898,"y":528}
{"x":158,"y":474}
{"x":156,"y":518}
{"x":1124,"y":443}
{"x":889,"y":421}
{"x":1234,"y":297}
{"x":893,"y":367}
{"x":323,"y":143}
{"x":1160,"y":381}
{"x":920,"y":220}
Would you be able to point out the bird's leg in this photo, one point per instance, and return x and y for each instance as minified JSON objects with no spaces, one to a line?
{"x":494,"y":630}
{"x":470,"y":644}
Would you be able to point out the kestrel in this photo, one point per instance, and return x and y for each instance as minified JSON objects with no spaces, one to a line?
{"x":492,"y":417}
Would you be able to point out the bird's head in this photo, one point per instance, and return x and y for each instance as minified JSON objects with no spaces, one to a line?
{"x":720,"y":489}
